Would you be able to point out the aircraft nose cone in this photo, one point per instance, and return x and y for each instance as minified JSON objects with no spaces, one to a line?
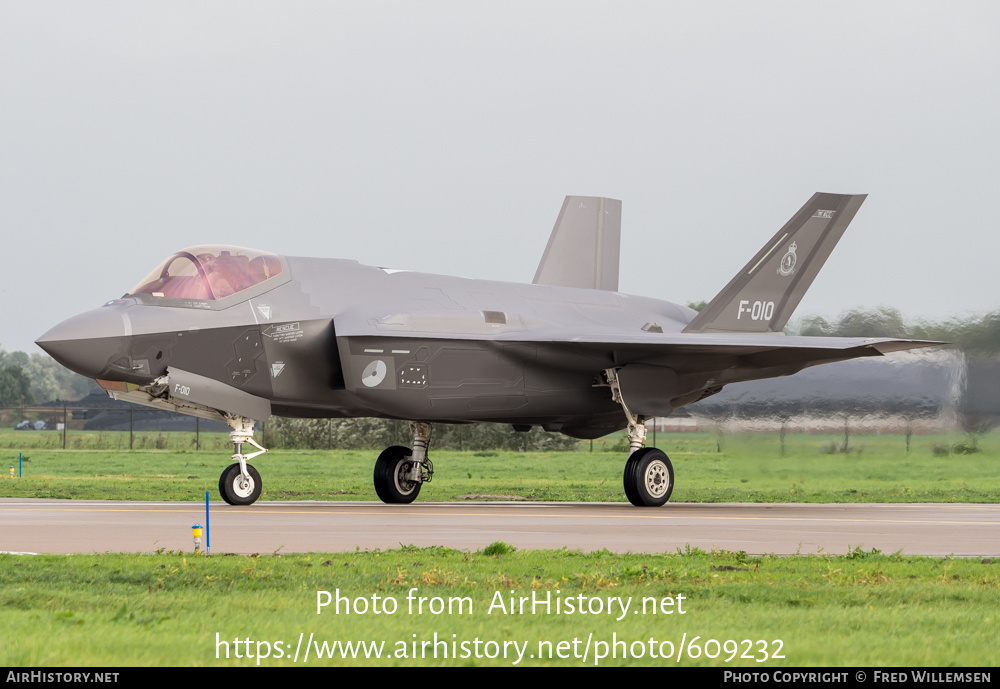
{"x":87,"y":343}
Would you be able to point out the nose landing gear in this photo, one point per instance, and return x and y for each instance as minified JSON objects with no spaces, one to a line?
{"x":240,"y":482}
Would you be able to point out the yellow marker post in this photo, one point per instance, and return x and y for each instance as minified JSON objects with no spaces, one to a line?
{"x":197,"y":537}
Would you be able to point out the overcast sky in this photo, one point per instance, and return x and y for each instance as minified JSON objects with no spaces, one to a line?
{"x":443,"y":136}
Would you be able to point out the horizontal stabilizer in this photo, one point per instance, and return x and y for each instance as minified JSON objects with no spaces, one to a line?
{"x":762,"y":296}
{"x":584,"y":246}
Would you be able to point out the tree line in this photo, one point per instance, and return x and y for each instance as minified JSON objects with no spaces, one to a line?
{"x":976,"y":336}
{"x":37,"y":378}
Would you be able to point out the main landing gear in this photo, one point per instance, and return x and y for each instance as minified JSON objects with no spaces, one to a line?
{"x":240,"y":483}
{"x":649,"y":475}
{"x":399,"y":471}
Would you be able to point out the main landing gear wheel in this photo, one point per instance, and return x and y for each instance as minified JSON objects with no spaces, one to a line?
{"x":649,"y":477}
{"x":239,"y":491}
{"x":392,"y":471}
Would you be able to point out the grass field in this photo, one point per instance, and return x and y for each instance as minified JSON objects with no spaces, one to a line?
{"x":726,"y":609}
{"x":749,"y":468}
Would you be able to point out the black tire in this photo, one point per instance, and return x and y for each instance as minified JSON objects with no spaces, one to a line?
{"x":231,"y":490}
{"x":394,"y":462}
{"x":649,"y":477}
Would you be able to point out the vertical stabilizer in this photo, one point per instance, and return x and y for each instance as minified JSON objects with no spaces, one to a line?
{"x":584,"y":246}
{"x":762,"y":296}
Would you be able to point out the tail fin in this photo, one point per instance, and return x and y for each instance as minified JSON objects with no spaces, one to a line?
{"x":583,"y":249}
{"x":762,"y":296}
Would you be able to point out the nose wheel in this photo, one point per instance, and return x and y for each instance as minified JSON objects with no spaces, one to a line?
{"x":237,"y":489}
{"x":240,"y":483}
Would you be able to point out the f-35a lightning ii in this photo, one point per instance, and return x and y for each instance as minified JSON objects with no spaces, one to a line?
{"x":237,"y":335}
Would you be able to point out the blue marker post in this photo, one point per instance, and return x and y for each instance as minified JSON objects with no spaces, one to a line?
{"x":19,"y":465}
{"x":208,"y":531}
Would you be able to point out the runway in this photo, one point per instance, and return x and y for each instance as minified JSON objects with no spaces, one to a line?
{"x":84,"y":526}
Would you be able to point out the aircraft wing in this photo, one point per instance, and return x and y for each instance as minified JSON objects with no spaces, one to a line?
{"x":627,"y":332}
{"x":675,"y":349}
{"x":659,"y":371}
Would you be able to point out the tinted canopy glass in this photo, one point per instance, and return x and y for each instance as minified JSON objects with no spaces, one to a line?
{"x":209,"y":272}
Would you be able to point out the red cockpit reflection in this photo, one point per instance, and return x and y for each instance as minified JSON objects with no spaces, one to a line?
{"x":209,"y":272}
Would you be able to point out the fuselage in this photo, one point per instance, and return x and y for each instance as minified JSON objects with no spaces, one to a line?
{"x":335,"y":338}
{"x":324,"y":338}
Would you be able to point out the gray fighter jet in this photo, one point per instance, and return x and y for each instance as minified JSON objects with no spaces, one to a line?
{"x":237,"y":335}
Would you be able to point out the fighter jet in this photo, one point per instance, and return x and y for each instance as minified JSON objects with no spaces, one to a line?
{"x":238,"y":335}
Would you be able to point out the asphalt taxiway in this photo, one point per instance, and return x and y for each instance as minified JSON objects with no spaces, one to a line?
{"x":85,"y":526}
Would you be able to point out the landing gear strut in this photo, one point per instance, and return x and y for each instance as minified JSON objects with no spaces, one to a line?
{"x":399,"y":471}
{"x":240,"y":483}
{"x":649,"y":475}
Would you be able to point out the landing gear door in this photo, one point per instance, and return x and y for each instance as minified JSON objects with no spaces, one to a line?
{"x":190,"y":387}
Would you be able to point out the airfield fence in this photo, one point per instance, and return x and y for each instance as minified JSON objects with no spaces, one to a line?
{"x":126,"y":426}
{"x":122,"y":427}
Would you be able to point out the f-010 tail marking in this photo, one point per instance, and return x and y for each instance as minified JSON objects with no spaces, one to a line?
{"x":763,"y":295}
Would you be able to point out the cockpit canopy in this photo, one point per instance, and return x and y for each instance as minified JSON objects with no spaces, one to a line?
{"x":209,"y":272}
